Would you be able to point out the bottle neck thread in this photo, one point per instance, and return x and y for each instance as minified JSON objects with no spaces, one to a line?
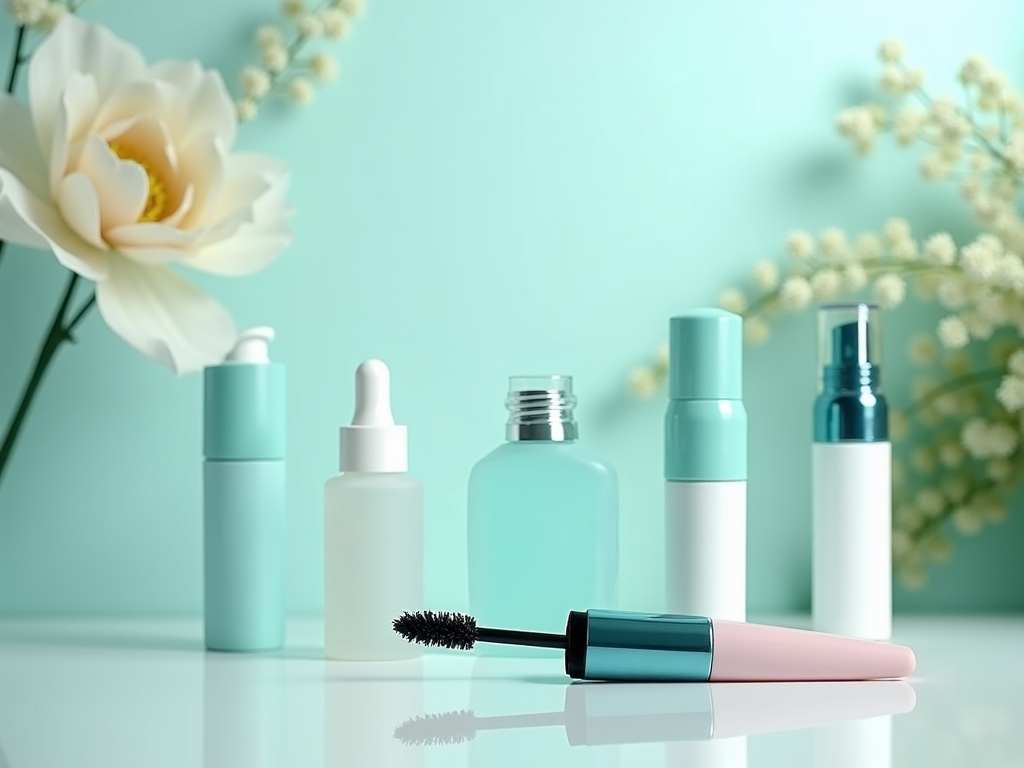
{"x":537,"y":414}
{"x":846,"y":377}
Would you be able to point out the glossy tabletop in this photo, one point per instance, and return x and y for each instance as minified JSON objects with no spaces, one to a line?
{"x":84,"y":693}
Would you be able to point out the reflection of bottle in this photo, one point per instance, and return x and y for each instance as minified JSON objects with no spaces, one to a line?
{"x":852,"y":469}
{"x":244,"y":723}
{"x":542,"y":517}
{"x":706,"y":468}
{"x":244,"y":509}
{"x":373,"y":531}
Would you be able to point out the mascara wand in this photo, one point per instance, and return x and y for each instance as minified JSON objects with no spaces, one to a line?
{"x":623,"y":645}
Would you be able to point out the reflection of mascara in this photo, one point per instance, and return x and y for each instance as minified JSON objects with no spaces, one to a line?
{"x":596,"y":714}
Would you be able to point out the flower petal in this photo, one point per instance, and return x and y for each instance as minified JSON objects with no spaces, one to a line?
{"x":80,"y":206}
{"x":122,"y":186}
{"x":164,"y":316}
{"x":125,"y":105}
{"x":23,"y":213}
{"x":77,"y":46}
{"x":72,"y":121}
{"x":202,"y":163}
{"x":202,"y":104}
{"x":19,"y":151}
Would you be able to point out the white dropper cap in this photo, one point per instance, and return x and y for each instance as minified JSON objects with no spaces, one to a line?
{"x":373,"y":442}
{"x":252,"y":346}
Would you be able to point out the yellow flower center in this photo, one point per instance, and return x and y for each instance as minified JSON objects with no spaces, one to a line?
{"x":156,"y":197}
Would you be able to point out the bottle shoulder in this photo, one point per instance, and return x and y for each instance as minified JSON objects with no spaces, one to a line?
{"x":528,"y":453}
{"x":374,"y":481}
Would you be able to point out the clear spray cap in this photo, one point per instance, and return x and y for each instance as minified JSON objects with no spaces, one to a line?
{"x":373,"y":442}
{"x":849,"y":345}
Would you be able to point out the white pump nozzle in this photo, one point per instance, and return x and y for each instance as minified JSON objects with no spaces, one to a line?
{"x":373,"y":395}
{"x":252,"y":346}
{"x":373,"y":442}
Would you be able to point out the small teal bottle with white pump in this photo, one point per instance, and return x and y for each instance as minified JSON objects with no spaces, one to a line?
{"x":542,"y":517}
{"x":244,"y":506}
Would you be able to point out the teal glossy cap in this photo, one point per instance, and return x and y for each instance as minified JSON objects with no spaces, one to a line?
{"x":706,"y":356}
{"x":244,"y":412}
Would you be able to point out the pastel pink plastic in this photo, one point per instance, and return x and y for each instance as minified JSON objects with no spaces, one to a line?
{"x":757,"y":652}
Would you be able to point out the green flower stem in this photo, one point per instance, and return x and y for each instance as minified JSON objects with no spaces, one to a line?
{"x":61,"y":331}
{"x":960,"y":382}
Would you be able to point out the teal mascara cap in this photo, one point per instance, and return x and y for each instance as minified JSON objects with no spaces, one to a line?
{"x":706,"y":356}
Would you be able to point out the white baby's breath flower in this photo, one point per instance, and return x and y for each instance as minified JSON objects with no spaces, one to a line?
{"x":661,"y":355}
{"x":892,"y":80}
{"x":268,"y":36}
{"x":971,"y":189}
{"x":913,"y":79}
{"x":755,"y":330}
{"x":890,"y":51}
{"x":354,"y":8}
{"x":293,"y":8}
{"x":993,"y":308}
{"x":952,"y":455}
{"x":896,"y":230}
{"x":907,"y":124}
{"x":1002,"y":440}
{"x":953,"y":333}
{"x":946,"y":404}
{"x":1009,"y":272}
{"x":275,"y":58}
{"x":766,"y":275}
{"x":940,"y":249}
{"x":1011,"y":393}
{"x":795,"y":293}
{"x":952,"y":293}
{"x":53,"y":14}
{"x":974,"y":70}
{"x":309,"y":25}
{"x":26,"y":12}
{"x":978,"y":326}
{"x":643,"y":382}
{"x":955,"y":488}
{"x":255,"y":82}
{"x":800,"y":244}
{"x":939,"y":548}
{"x":967,"y":521}
{"x":1016,"y":363}
{"x":930,"y":501}
{"x":832,"y":242}
{"x":934,"y":167}
{"x":826,"y":283}
{"x":335,"y":23}
{"x":300,"y":90}
{"x":868,"y":246}
{"x":904,"y":250}
{"x":855,"y":277}
{"x":901,"y":543}
{"x":247,"y":109}
{"x":923,"y":349}
{"x":323,"y":66}
{"x":974,"y":437}
{"x":979,"y":259}
{"x":733,"y":300}
{"x":890,"y":290}
{"x":980,"y":162}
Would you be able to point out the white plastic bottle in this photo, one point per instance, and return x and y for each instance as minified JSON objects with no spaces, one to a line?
{"x":373,"y":531}
{"x":852,"y":478}
{"x":706,"y":467}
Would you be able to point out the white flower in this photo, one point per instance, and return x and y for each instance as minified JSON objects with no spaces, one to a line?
{"x":755,"y":330}
{"x":934,"y":167}
{"x":766,"y":275}
{"x":123,"y":171}
{"x":855,"y":277}
{"x":956,"y":488}
{"x":980,"y":161}
{"x":310,"y":25}
{"x":643,"y":382}
{"x":269,"y":36}
{"x":300,"y":90}
{"x":1002,"y":440}
{"x":940,"y":249}
{"x":293,"y":8}
{"x":857,"y":124}
{"x":946,"y":116}
{"x":901,"y":543}
{"x":953,"y":293}
{"x":868,"y":246}
{"x":354,"y":8}
{"x":733,"y":300}
{"x":978,"y":326}
{"x":1016,"y":363}
{"x":896,"y":230}
{"x":1011,"y":393}
{"x":799,"y":243}
{"x":904,"y":250}
{"x":992,"y":308}
{"x":833,"y":242}
{"x":979,"y":259}
{"x":661,"y":355}
{"x":890,"y":51}
{"x":323,"y":66}
{"x":255,"y":82}
{"x":892,"y":80}
{"x":975,"y":70}
{"x":826,"y":283}
{"x":335,"y":23}
{"x":275,"y":58}
{"x":923,"y":349}
{"x":907,"y":124}
{"x":913,"y":79}
{"x":53,"y":14}
{"x":890,"y":290}
{"x":930,"y":501}
{"x":247,"y":109}
{"x":939,"y":548}
{"x":26,"y":12}
{"x":795,"y":293}
{"x":967,"y":521}
{"x":952,"y":332}
{"x":974,"y":437}
{"x":952,"y":455}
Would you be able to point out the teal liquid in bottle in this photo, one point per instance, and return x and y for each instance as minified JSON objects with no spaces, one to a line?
{"x":542,"y":519}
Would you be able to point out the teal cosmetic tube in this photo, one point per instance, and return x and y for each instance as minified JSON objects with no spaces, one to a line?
{"x":244,"y":508}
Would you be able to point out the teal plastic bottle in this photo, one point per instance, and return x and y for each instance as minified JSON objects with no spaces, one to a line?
{"x":244,"y":511}
{"x":543,"y":519}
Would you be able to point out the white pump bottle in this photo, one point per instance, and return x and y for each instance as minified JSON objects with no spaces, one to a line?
{"x":373,"y":531}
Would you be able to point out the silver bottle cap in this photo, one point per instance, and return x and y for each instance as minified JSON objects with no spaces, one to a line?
{"x":541,"y":408}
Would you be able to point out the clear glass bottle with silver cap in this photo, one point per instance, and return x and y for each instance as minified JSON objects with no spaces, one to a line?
{"x":542,"y":517}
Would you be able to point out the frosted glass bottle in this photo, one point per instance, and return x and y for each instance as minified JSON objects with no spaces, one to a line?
{"x":373,"y":531}
{"x":542,"y":519}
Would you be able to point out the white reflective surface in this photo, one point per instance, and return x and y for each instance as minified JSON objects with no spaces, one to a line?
{"x":144,"y":694}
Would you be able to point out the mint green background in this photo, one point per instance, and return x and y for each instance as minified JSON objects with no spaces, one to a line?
{"x":493,"y":188}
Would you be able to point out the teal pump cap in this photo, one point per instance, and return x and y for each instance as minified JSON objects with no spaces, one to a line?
{"x":706,"y":356}
{"x":244,"y":403}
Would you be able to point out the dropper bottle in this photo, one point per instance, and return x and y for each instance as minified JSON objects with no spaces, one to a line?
{"x":373,"y":530}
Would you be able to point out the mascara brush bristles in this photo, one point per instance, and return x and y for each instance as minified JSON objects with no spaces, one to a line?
{"x":443,"y":629}
{"x":432,"y":730}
